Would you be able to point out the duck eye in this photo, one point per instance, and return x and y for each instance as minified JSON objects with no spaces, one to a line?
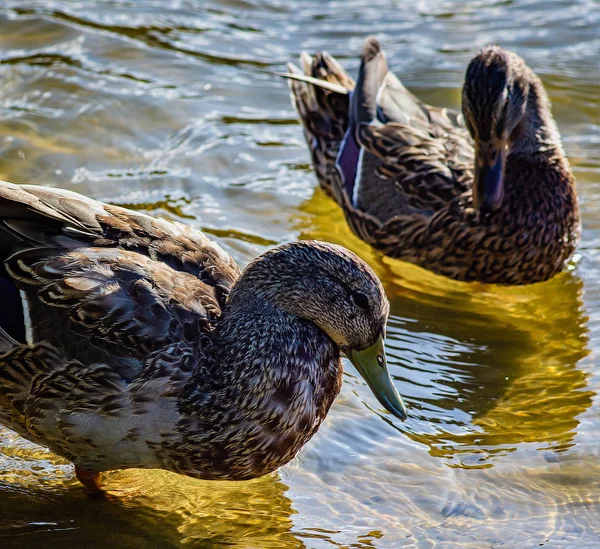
{"x":360,"y":300}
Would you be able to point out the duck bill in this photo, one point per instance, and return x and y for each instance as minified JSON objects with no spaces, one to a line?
{"x":488,"y":190}
{"x":372,"y":366}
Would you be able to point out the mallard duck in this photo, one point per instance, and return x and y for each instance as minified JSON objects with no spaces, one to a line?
{"x":129,"y":341}
{"x":485,"y":195}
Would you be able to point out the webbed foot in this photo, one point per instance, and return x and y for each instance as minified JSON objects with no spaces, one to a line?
{"x":91,"y":480}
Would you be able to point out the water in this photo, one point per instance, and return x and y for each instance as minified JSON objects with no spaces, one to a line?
{"x":172,"y":108}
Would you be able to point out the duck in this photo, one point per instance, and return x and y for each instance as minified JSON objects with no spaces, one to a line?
{"x":128,"y":341}
{"x":483,"y":195}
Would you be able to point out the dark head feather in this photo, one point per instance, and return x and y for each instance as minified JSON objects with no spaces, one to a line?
{"x":324,"y":284}
{"x":495,"y":93}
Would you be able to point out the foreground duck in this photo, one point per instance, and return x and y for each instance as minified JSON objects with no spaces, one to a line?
{"x":128,"y":341}
{"x":487,"y":195}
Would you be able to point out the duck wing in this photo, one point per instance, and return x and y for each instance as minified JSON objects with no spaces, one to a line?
{"x":105,"y":284}
{"x":425,"y":150}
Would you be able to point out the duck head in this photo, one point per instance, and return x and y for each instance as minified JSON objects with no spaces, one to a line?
{"x":494,"y":102}
{"x":339,"y":293}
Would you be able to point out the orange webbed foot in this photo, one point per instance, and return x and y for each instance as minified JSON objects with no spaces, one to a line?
{"x":91,"y":480}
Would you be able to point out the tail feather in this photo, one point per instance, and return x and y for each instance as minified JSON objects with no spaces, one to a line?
{"x":323,"y":109}
{"x":295,"y":74}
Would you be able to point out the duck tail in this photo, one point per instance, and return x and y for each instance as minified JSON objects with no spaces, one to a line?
{"x":321,"y":94}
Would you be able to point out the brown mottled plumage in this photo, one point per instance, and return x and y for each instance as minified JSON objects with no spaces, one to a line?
{"x":147,"y":347}
{"x":495,"y":202}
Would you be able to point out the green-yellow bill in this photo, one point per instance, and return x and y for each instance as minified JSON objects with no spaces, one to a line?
{"x":372,"y":366}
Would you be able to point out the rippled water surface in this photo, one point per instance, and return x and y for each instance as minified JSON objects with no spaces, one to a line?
{"x":172,"y":107}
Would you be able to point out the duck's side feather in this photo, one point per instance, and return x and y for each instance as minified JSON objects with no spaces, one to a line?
{"x":87,"y":412}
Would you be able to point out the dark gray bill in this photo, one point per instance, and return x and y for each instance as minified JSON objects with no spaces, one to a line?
{"x":488,"y":190}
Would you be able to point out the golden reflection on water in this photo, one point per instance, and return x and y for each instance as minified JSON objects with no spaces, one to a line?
{"x":173,"y":109}
{"x":519,"y":384}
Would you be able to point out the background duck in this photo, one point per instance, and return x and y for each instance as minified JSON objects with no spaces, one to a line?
{"x":138,"y":342}
{"x":487,"y":195}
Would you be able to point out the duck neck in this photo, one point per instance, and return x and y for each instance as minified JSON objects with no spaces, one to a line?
{"x":257,"y":338}
{"x":265,"y":387}
{"x":537,"y":133}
